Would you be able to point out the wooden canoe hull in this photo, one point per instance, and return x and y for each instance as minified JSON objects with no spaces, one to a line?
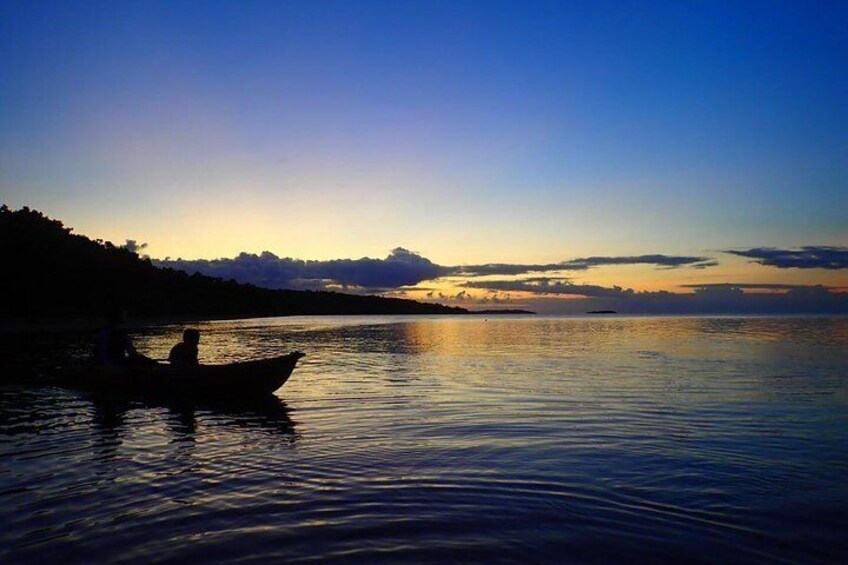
{"x":233,"y":380}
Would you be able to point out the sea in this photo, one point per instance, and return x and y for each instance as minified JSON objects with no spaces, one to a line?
{"x":463,"y":439}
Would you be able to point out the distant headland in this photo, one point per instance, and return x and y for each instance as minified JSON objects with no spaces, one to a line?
{"x":602,"y":312}
{"x":53,"y":273}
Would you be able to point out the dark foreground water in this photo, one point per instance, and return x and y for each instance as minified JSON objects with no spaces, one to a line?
{"x":455,"y":440}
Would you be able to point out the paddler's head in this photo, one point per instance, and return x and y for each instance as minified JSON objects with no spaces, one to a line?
{"x":192,"y":337}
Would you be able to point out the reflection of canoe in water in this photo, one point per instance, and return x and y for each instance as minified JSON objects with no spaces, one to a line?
{"x":233,"y":380}
{"x":264,"y":412}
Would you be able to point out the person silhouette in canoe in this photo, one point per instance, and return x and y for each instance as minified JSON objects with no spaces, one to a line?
{"x":184,"y":354}
{"x":114,"y":347}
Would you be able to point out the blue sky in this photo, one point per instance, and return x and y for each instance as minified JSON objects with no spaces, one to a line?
{"x":471,"y":132}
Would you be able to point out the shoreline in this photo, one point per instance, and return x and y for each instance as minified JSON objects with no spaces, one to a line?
{"x":52,"y":324}
{"x":12,"y":326}
{"x":87,"y":323}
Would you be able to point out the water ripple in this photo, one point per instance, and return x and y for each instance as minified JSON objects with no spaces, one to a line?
{"x":420,"y":440}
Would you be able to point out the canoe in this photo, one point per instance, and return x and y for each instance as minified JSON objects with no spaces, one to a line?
{"x":233,"y":380}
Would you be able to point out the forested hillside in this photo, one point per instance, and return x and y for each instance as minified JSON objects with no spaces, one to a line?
{"x":50,"y":271}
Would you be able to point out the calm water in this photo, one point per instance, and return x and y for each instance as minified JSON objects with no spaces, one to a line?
{"x":451,"y":439}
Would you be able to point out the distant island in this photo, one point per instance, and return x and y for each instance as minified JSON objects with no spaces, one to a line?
{"x":602,"y":312}
{"x":53,"y":273}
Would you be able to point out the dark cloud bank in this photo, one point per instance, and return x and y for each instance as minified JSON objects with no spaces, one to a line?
{"x":662,"y":261}
{"x":809,"y":257}
{"x":403,"y":268}
{"x":713,"y":298}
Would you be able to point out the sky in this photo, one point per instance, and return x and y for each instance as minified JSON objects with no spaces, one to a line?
{"x":693,"y":148}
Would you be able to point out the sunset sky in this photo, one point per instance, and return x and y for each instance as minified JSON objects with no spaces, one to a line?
{"x":508,"y":153}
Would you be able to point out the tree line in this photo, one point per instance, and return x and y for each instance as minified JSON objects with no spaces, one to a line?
{"x":52,"y":272}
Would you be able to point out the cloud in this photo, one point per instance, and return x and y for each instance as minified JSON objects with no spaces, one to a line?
{"x":710,"y":298}
{"x":504,"y":269}
{"x":582,"y":264}
{"x":495,"y":297}
{"x":669,"y":261}
{"x":550,"y":287}
{"x":808,"y":257}
{"x":751,"y":286}
{"x":400,"y":268}
{"x":557,"y":286}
